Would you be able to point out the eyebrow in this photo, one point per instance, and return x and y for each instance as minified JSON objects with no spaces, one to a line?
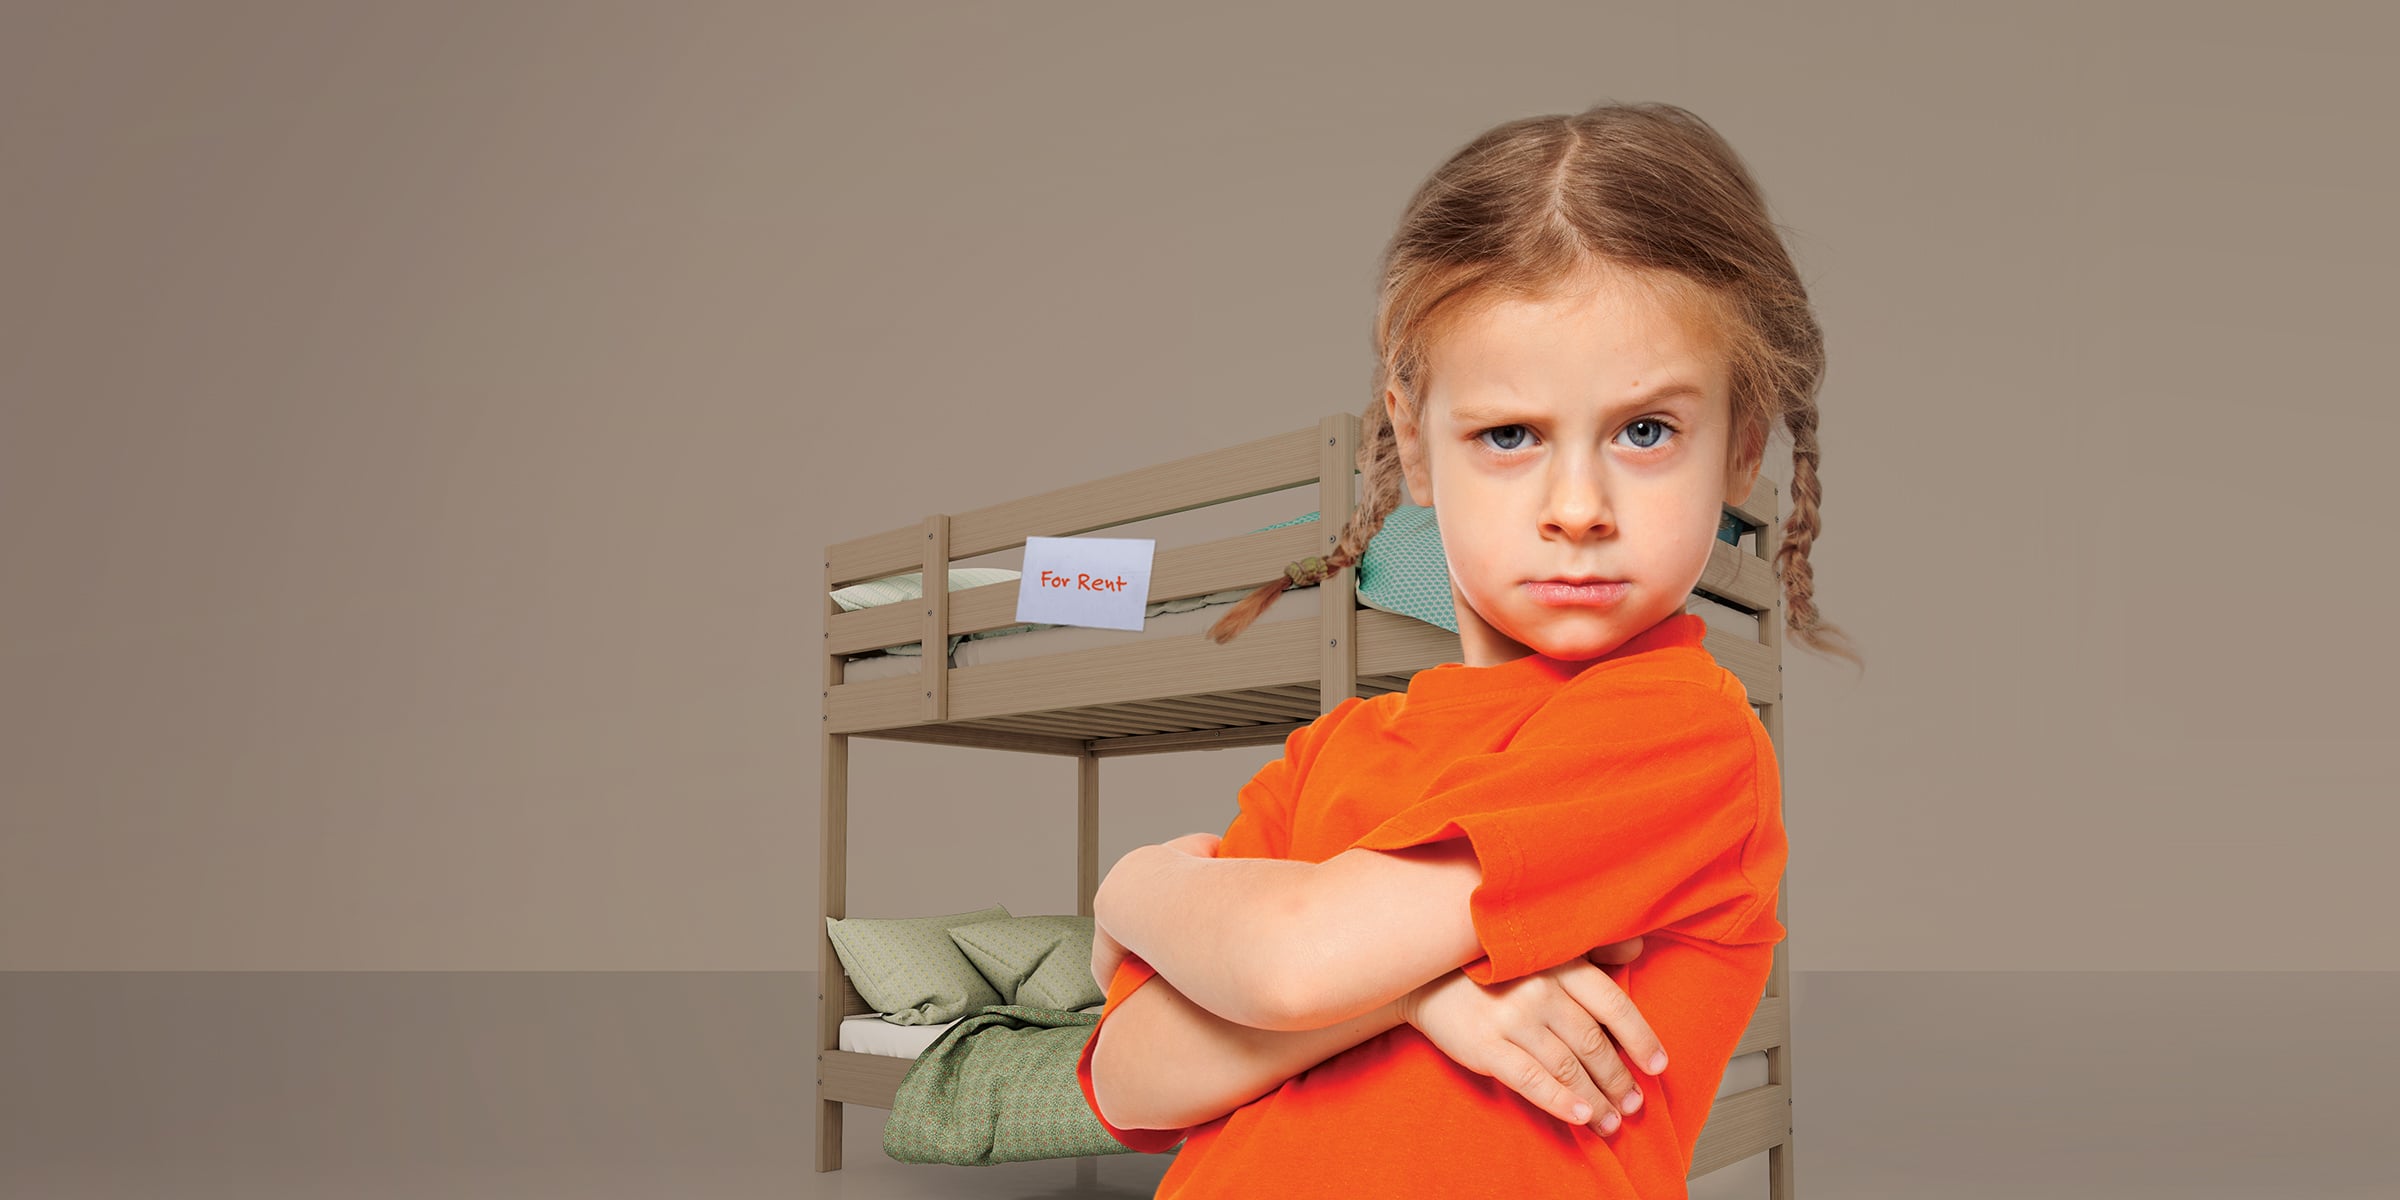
{"x":1474,"y":415}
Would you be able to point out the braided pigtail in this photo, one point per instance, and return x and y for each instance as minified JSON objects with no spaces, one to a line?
{"x":1800,"y":529}
{"x":1379,"y":467}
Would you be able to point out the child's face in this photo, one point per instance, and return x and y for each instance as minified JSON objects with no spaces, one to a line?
{"x":1546,"y":454}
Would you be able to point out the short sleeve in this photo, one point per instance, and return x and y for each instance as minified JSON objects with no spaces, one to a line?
{"x":1131,"y":973}
{"x":1605,"y":821}
{"x":1269,"y":802}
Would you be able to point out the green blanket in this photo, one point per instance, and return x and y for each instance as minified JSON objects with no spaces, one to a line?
{"x":999,"y":1086}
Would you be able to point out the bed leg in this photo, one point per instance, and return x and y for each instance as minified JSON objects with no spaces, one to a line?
{"x":829,"y":1135}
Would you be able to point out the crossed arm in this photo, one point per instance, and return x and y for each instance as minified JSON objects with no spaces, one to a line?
{"x":1275,"y":966}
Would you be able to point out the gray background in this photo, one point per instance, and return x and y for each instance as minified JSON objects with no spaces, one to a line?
{"x":422,"y":424}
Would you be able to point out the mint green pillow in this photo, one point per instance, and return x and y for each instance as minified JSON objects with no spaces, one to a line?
{"x":1404,"y":570}
{"x":1045,"y":962}
{"x":910,"y":970}
{"x":892,"y":589}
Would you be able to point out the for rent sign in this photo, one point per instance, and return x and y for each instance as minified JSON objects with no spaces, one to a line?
{"x":1102,"y":582}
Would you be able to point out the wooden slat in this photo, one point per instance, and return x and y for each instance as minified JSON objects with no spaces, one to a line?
{"x":1242,"y":561}
{"x":1751,"y":662}
{"x":1234,"y":473}
{"x":1738,"y":578}
{"x":1243,"y":708}
{"x":1281,"y":706}
{"x":1741,"y":1125}
{"x":1049,"y":725}
{"x":1770,"y":1025}
{"x":1390,"y":644}
{"x":1205,"y":739}
{"x":875,"y":704}
{"x":956,"y":734}
{"x":1268,"y":653}
{"x":869,"y":1079}
{"x":1758,"y":509}
{"x":1164,"y":714}
{"x":1072,"y":722}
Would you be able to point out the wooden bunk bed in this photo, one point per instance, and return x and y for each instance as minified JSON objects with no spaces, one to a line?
{"x":1156,"y":692}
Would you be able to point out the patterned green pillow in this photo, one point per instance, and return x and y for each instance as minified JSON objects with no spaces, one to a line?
{"x":910,"y":970}
{"x":892,"y":589}
{"x":1404,"y":570}
{"x":1045,"y":962}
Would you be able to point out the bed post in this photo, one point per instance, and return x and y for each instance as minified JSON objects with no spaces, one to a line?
{"x":833,"y":837}
{"x":933,"y":648}
{"x":1087,"y":830}
{"x":1337,"y":649}
{"x":1781,"y":1182}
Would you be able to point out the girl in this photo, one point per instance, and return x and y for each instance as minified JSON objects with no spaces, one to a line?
{"x":1382,"y":981}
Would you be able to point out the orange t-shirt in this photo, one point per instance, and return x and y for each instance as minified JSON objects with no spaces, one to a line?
{"x":1631,"y":794}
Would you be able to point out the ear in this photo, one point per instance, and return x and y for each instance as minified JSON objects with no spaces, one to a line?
{"x":1413,"y":466}
{"x":1742,"y":473}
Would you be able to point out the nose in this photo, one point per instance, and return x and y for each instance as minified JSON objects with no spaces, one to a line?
{"x":1576,"y":505}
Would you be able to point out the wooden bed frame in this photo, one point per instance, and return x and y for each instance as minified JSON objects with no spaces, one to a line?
{"x":1187,"y":693}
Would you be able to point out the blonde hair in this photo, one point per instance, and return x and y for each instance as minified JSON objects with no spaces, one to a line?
{"x":1654,"y":197}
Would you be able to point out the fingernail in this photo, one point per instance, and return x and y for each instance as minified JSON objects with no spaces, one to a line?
{"x":1609,"y":1123}
{"x":1658,"y":1062}
{"x":1583,"y":1113}
{"x":1633,"y":1101}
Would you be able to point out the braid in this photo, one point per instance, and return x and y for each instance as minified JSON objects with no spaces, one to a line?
{"x":1379,"y":467}
{"x":1800,"y":531}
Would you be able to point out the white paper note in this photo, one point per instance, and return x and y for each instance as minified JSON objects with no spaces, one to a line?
{"x":1101,"y":582}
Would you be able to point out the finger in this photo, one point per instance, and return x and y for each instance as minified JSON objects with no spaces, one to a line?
{"x":1572,"y":1066}
{"x":1596,"y":1055}
{"x":1536,"y":1081}
{"x":1603,"y":1001}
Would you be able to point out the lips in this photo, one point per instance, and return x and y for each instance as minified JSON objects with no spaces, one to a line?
{"x":1583,"y":592}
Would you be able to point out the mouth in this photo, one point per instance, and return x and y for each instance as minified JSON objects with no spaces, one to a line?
{"x":1577,"y":591}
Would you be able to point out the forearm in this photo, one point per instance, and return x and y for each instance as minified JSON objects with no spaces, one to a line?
{"x":1215,"y":926}
{"x":1164,"y":1062}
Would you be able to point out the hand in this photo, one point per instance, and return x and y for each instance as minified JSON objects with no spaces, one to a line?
{"x":1542,"y":1034}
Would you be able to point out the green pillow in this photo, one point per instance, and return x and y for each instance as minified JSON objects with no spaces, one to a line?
{"x":892,"y":589}
{"x":1404,"y":570}
{"x":910,"y":970}
{"x":1045,"y":962}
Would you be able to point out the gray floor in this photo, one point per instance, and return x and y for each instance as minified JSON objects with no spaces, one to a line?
{"x":373,"y":1085}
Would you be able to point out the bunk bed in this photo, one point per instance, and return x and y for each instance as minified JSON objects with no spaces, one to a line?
{"x":1089,"y":694}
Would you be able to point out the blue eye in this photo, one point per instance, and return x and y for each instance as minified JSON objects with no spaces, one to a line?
{"x":1521,"y":430}
{"x":1654,"y":422}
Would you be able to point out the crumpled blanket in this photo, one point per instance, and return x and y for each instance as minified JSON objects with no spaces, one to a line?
{"x":999,"y":1086}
